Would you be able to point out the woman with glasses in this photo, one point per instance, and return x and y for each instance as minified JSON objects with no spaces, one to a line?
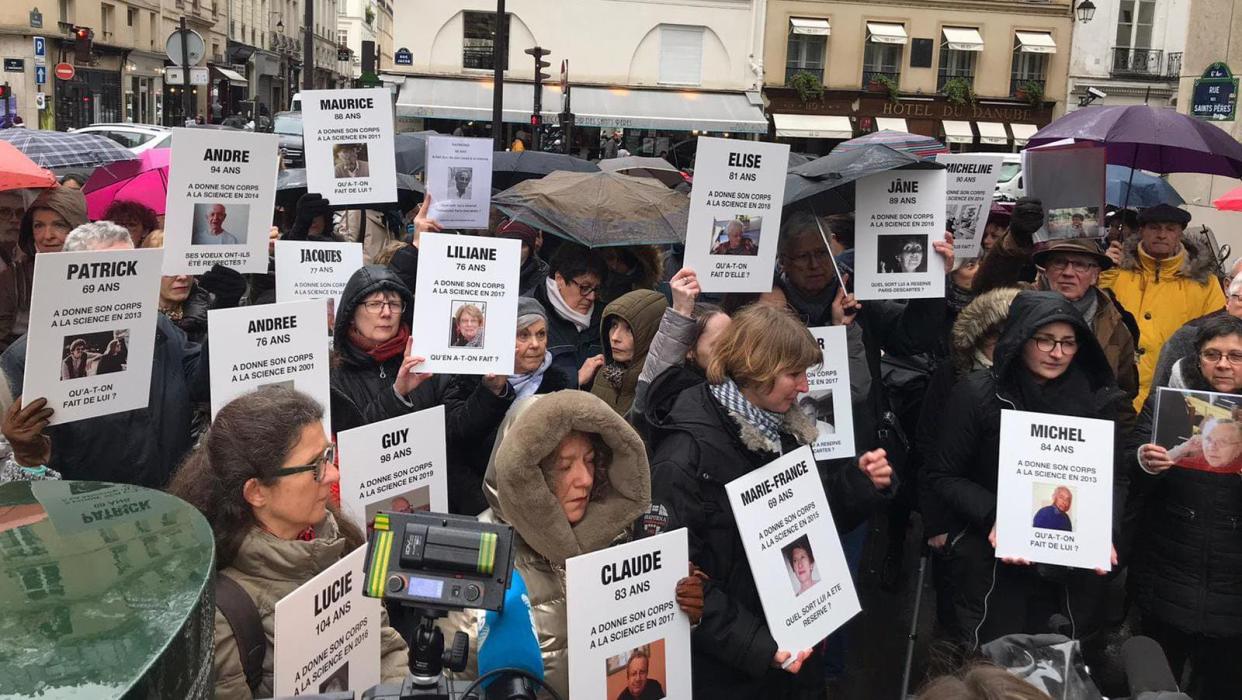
{"x":571,"y":296}
{"x":1188,"y":546}
{"x":1046,"y":361}
{"x":263,"y":477}
{"x":373,"y":376}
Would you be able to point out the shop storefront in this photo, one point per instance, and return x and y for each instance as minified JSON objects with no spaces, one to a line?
{"x":91,"y":97}
{"x":143,"y":86}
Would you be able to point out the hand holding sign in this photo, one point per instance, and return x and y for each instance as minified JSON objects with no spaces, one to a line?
{"x":788,"y":662}
{"x":1153,"y":458}
{"x":875,"y":465}
{"x":685,"y":288}
{"x":23,"y":427}
{"x":845,"y":307}
{"x":407,"y":379}
{"x":496,"y":383}
{"x":945,"y":249}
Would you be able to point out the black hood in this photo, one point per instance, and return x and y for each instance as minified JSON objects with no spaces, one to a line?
{"x":1028,"y":313}
{"x":365,"y":281}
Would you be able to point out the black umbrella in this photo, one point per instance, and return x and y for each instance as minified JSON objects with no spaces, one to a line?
{"x":796,"y":159}
{"x":291,"y":185}
{"x":411,"y":151}
{"x":826,"y":185}
{"x":511,"y":167}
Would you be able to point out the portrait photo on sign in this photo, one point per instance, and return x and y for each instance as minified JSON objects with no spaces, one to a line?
{"x":818,"y":403}
{"x":350,"y":160}
{"x":459,"y":182}
{"x":1201,"y":430}
{"x":800,"y":565}
{"x":736,"y":236}
{"x":93,"y":354}
{"x":413,"y":501}
{"x":1073,"y":222}
{"x":638,"y":674}
{"x":961,"y":219}
{"x":1052,"y":506}
{"x":284,"y":384}
{"x":338,"y":682}
{"x":216,"y":223}
{"x":901,"y":254}
{"x":467,"y":324}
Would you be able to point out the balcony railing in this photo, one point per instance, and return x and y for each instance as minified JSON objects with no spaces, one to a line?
{"x":945,"y":77}
{"x":869,"y":75}
{"x":1173,"y":65}
{"x":1018,"y":83}
{"x":792,"y":69}
{"x":1139,"y":63}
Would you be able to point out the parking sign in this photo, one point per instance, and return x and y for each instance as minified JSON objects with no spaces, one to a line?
{"x":40,"y":47}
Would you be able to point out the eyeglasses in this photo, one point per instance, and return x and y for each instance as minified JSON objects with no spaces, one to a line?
{"x":1069,"y":346}
{"x":804,"y":259}
{"x":1059,"y":265}
{"x":585,"y":290}
{"x":328,"y":457}
{"x":1236,"y":298}
{"x":1214,"y":356}
{"x":376,"y":307}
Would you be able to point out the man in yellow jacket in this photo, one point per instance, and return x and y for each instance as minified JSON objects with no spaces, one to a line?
{"x":1164,"y":282}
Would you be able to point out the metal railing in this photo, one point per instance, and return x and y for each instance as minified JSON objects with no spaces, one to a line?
{"x":869,"y":75}
{"x":1018,"y":83}
{"x":945,"y":76}
{"x":792,"y":69}
{"x":1138,"y":63}
{"x":1173,"y":64}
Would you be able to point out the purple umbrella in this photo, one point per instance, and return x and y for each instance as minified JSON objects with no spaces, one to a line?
{"x":1159,"y":140}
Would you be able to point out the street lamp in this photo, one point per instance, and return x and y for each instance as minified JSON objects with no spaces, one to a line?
{"x":1085,"y":10}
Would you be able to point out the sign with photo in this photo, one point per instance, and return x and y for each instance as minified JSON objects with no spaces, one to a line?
{"x":968,"y":198}
{"x":626,"y":632}
{"x":306,"y":270}
{"x":899,"y":214}
{"x":459,"y":180}
{"x":221,"y":192}
{"x":326,"y":634}
{"x":92,"y":332}
{"x":348,"y":137}
{"x":1070,"y":180}
{"x":1202,"y":430}
{"x":75,"y":507}
{"x":271,"y":344}
{"x":828,"y":399}
{"x":465,"y":307}
{"x":793,"y":549}
{"x":1054,"y":492}
{"x":735,"y":213}
{"x":396,"y":465}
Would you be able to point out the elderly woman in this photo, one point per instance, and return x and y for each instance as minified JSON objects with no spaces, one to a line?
{"x":569,"y":294}
{"x":263,"y":477}
{"x":138,"y":219}
{"x":735,"y":243}
{"x":802,"y":562}
{"x":468,"y":327}
{"x":1187,"y":571}
{"x":475,"y":406}
{"x":741,"y":419}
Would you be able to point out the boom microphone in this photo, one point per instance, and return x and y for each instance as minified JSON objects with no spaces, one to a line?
{"x":507,"y":640}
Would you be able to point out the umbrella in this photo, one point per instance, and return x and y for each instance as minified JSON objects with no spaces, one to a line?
{"x":1135,"y":188}
{"x":1156,"y":139}
{"x":411,"y":151}
{"x":1229,"y":201}
{"x":144,"y":180}
{"x":599,"y":209}
{"x":509,"y":168}
{"x":19,"y":172}
{"x":640,"y":166}
{"x":291,"y":185}
{"x":796,"y":159}
{"x":58,"y":149}
{"x":826,"y":185}
{"x":914,"y":144}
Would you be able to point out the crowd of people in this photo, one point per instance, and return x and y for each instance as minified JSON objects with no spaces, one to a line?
{"x":634,"y":399}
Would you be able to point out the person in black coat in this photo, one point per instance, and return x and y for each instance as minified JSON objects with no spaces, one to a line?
{"x":475,"y":405}
{"x":742,"y":419}
{"x":570,"y":295}
{"x":1047,"y":361}
{"x":1188,"y":560}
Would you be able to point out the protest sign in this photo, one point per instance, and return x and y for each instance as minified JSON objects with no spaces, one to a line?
{"x":1069,"y":179}
{"x":92,"y":332}
{"x":459,"y":180}
{"x":793,"y":549}
{"x":75,"y":507}
{"x":307,"y":270}
{"x":326,"y":635}
{"x":396,"y":465}
{"x":625,"y":628}
{"x":828,"y":399}
{"x":221,"y":192}
{"x":1200,"y":429}
{"x":900,"y":213}
{"x":348,"y":137}
{"x":735,"y":213}
{"x":1054,"y":492}
{"x":968,"y":198}
{"x":465,"y":307}
{"x":272,"y":344}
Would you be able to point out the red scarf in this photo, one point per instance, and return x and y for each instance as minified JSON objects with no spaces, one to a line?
{"x":385,"y":351}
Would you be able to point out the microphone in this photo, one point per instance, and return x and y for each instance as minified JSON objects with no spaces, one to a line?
{"x":1147,"y":670}
{"x":507,"y":639}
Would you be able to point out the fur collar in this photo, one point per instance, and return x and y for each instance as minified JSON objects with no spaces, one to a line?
{"x":1198,"y":263}
{"x":796,"y":423}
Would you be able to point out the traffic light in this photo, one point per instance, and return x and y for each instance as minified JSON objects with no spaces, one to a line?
{"x":540,"y":64}
{"x":82,"y":44}
{"x":536,"y":119}
{"x":4,"y":92}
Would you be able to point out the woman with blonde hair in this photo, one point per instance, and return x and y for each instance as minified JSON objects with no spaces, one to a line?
{"x":468,"y":327}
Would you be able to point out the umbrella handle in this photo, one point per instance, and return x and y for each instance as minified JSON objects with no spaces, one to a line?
{"x":824,"y":236}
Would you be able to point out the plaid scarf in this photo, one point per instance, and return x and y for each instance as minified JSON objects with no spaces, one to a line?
{"x":766,"y":422}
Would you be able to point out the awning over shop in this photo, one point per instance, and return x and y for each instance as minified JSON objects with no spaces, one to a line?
{"x":811,"y":27}
{"x":812,"y":126}
{"x":957,"y":132}
{"x":439,"y":98}
{"x":963,"y":39}
{"x":992,"y":133}
{"x":230,"y":75}
{"x":891,"y":124}
{"x":886,"y":33}
{"x":1022,"y":133}
{"x":1036,"y":42}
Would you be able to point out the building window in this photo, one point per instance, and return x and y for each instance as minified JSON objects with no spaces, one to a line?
{"x":478,"y":45}
{"x":681,"y":55}
{"x":1030,"y":69}
{"x":107,"y":20}
{"x":131,"y":16}
{"x":1132,"y":52}
{"x":959,"y":50}
{"x":342,"y":37}
{"x":808,"y":44}
{"x":66,"y":10}
{"x":883,"y":52}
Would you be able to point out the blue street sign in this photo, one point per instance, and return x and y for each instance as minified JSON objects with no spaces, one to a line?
{"x":1215,"y":94}
{"x":403,"y":57}
{"x":40,"y":47}
{"x":40,"y":75}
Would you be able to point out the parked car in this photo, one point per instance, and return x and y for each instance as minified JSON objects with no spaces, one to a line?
{"x":1009,"y":187}
{"x":135,"y":137}
{"x":288,"y":126}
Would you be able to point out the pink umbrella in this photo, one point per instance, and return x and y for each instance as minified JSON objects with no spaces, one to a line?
{"x":1230,"y":201}
{"x":143,"y":180}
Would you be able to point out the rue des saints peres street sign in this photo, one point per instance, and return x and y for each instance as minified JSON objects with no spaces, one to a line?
{"x":1215,"y":95}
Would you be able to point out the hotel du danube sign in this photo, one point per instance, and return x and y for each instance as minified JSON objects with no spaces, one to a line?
{"x":851,"y":103}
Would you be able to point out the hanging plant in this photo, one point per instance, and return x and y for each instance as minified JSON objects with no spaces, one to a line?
{"x":808,"y":86}
{"x":370,"y":16}
{"x":1032,"y":92}
{"x":958,"y":91}
{"x":884,"y":83}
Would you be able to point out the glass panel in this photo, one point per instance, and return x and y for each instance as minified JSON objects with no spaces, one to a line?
{"x":478,"y":41}
{"x":1125,"y":23}
{"x":805,"y":54}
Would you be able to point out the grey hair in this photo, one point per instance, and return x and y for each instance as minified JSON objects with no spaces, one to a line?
{"x":96,"y":235}
{"x":800,"y":223}
{"x":1236,"y":262}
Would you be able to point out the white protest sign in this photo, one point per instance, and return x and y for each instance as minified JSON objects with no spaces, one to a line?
{"x":793,"y":549}
{"x":92,"y":332}
{"x":326,"y":635}
{"x":735,"y":213}
{"x":465,"y":307}
{"x":396,"y":465}
{"x":271,"y":344}
{"x":348,"y":137}
{"x":307,"y":270}
{"x":625,"y":628}
{"x":968,"y":200}
{"x":459,"y":180}
{"x":828,"y":400}
{"x":1054,"y":490}
{"x":221,"y":192}
{"x":75,"y":507}
{"x":899,"y":213}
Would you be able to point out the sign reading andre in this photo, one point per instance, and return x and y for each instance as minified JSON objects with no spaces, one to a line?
{"x":1215,"y":95}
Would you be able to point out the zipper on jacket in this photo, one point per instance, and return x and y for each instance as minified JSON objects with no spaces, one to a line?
{"x":383,"y":375}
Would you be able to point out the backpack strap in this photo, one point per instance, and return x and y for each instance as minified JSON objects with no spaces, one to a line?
{"x":243,"y":617}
